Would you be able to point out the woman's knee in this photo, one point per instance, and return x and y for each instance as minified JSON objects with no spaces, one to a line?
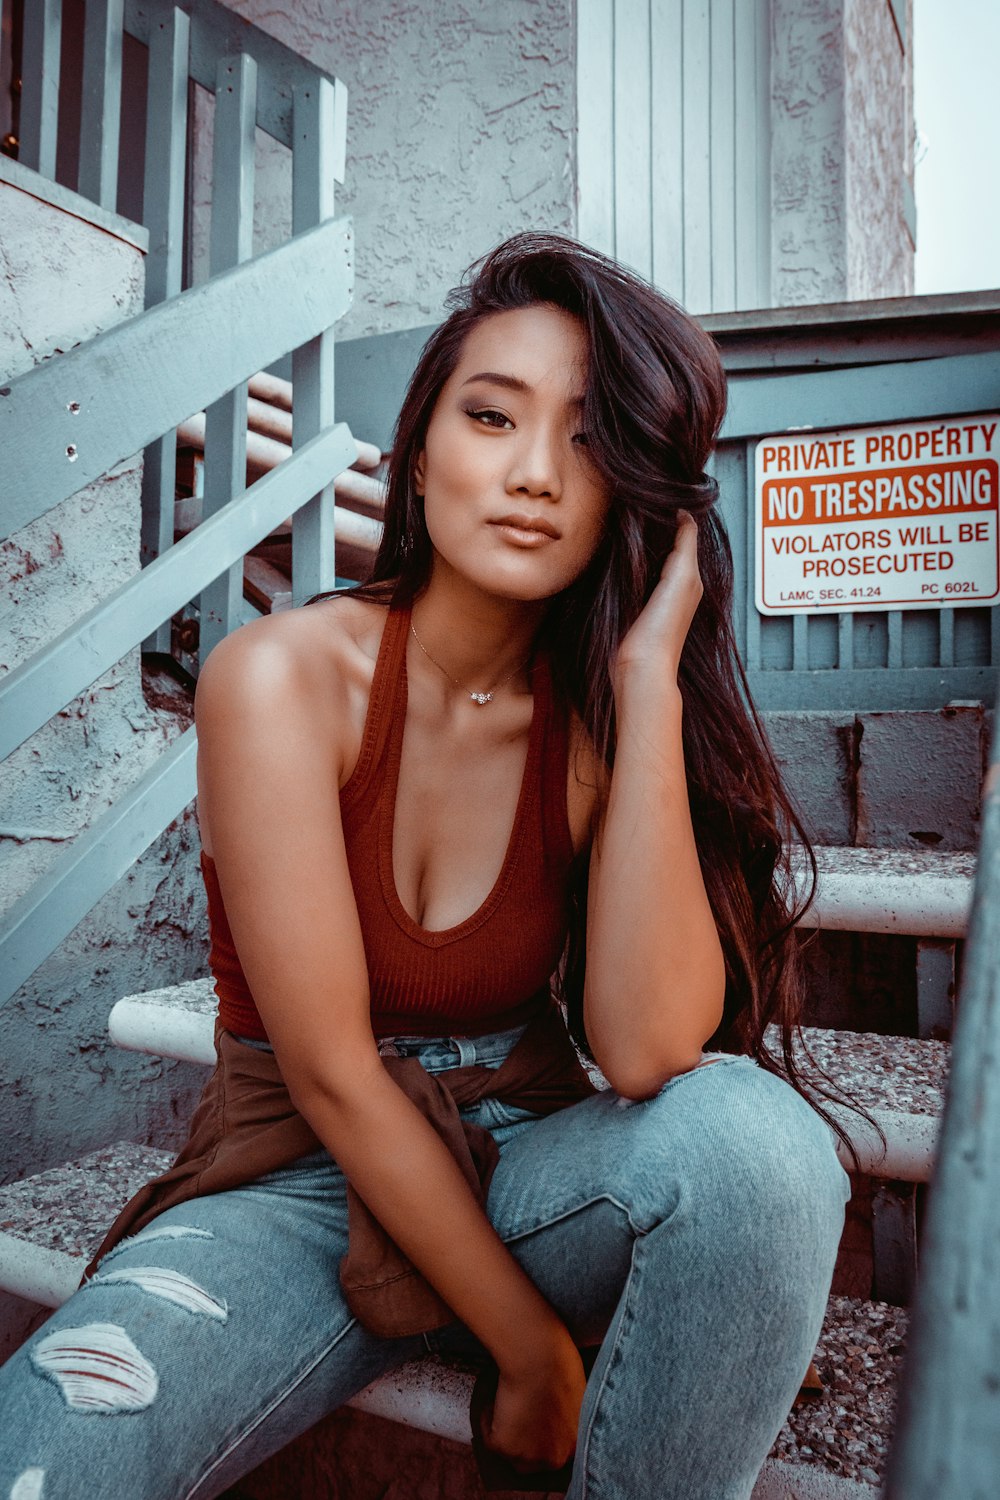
{"x":738,"y":1141}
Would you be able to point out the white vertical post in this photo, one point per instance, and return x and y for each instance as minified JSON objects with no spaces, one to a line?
{"x":667,"y":146}
{"x":722,"y":169}
{"x":40,"y":85}
{"x":595,"y":135}
{"x":100,"y":109}
{"x":696,"y":158}
{"x":163,"y":214}
{"x":231,"y":244}
{"x":319,"y":127}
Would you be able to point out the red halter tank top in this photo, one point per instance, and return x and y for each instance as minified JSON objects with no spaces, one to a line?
{"x":492,"y":970}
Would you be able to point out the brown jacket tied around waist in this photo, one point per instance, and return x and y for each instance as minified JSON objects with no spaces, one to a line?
{"x":246,"y":1125}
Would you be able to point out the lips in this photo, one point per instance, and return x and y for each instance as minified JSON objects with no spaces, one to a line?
{"x":527,"y":523}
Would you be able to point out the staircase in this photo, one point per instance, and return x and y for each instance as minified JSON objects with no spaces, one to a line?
{"x":241,"y":499}
{"x":836,"y":1439}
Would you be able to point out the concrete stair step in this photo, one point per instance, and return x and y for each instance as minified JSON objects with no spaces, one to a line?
{"x":832,"y":1447}
{"x":900,"y":1079}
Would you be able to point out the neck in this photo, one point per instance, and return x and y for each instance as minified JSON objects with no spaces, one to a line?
{"x":479,"y":639}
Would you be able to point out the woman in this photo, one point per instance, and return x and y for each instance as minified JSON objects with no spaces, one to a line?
{"x":520,"y":752}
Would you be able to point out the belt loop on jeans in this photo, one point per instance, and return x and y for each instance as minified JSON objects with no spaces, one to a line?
{"x":466,"y":1050}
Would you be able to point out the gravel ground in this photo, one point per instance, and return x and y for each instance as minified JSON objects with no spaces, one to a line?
{"x":901,"y":1073}
{"x":847,"y":1428}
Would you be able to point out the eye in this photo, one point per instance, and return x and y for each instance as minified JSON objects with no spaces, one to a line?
{"x":582,"y":439}
{"x":488,"y":416}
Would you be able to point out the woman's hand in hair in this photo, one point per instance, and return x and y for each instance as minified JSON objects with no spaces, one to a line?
{"x":656,"y":639}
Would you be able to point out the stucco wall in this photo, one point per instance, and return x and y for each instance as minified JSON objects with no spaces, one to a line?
{"x":460,"y":128}
{"x":841,"y":141}
{"x":63,"y":1088}
{"x":878,"y":148}
{"x":808,"y":236}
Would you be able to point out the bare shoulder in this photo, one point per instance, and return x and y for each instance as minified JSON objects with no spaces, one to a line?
{"x":587,"y":772}
{"x":301,"y":677}
{"x":318,"y":654}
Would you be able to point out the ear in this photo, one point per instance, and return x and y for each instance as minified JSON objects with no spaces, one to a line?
{"x":418,"y":472}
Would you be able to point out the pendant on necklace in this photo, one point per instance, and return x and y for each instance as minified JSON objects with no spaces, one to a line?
{"x":481,"y":698}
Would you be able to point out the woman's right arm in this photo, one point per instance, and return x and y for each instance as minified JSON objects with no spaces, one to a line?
{"x":267,"y":721}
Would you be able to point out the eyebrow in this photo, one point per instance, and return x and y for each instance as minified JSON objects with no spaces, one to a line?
{"x":510,"y":382}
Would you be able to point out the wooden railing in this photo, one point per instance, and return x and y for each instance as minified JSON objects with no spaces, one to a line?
{"x":947,"y":1436}
{"x":70,"y":420}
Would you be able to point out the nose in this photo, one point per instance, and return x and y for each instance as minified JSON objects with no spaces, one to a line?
{"x":534,"y":463}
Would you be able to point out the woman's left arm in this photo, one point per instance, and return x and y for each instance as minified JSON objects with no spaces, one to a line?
{"x":655,"y":974}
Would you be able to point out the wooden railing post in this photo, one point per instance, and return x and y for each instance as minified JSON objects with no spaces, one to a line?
{"x":947,"y":1442}
{"x":100,"y":107}
{"x":163,"y":214}
{"x":319,"y":121}
{"x":42,"y":49}
{"x":232,"y":243}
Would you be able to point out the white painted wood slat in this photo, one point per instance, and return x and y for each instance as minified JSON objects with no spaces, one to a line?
{"x":632,"y":136}
{"x":100,"y":107}
{"x":41,"y":48}
{"x":163,"y":212}
{"x":313,"y":526}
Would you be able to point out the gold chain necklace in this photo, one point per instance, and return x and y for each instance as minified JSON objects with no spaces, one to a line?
{"x":480,"y":698}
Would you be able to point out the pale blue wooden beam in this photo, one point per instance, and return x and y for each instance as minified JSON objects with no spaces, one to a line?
{"x":41,"y":686}
{"x":95,"y":861}
{"x":163,"y":212}
{"x":947,"y":1436}
{"x":233,"y":155}
{"x":144,"y":376}
{"x":100,"y":108}
{"x":722,"y":146}
{"x":696,"y":155}
{"x":41,"y":50}
{"x":864,"y":395}
{"x":313,"y":177}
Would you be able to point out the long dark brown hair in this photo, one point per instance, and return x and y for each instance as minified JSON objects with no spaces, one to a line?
{"x":654,"y":403}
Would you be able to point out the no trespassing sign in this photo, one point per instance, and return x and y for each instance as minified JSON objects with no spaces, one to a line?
{"x":878,"y":517}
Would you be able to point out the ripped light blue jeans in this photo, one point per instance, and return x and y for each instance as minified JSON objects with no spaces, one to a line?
{"x":692,"y":1235}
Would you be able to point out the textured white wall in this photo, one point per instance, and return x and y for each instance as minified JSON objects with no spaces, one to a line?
{"x":63,"y":1088}
{"x":878,"y":120}
{"x":460,"y":126}
{"x":809,"y":250}
{"x":841,"y":132}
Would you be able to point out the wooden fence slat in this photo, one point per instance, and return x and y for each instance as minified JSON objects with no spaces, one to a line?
{"x":845,"y":642}
{"x":595,"y":123}
{"x":233,"y":163}
{"x":632,"y":126}
{"x":894,"y":651}
{"x":314,"y":525}
{"x":41,"y":51}
{"x":696,"y":159}
{"x":667,"y":130}
{"x":163,"y":212}
{"x":800,"y":643}
{"x":762,"y":174}
{"x":47,"y":681}
{"x":101,"y":99}
{"x":158,"y":359}
{"x":722,"y":138}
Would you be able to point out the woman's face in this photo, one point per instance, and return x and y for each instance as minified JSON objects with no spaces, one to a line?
{"x":504,"y":446}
